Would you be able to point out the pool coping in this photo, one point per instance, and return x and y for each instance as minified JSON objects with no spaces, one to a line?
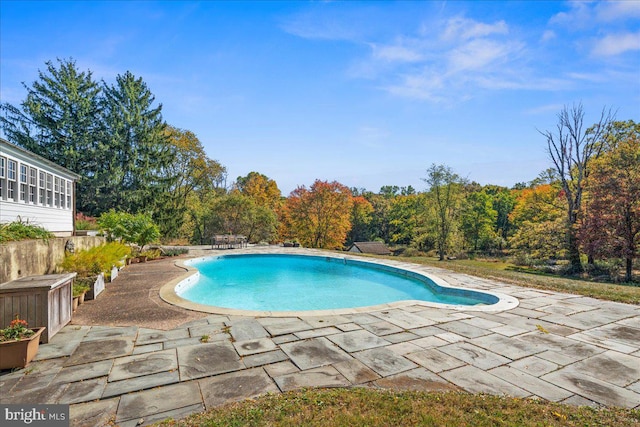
{"x":169,"y":295}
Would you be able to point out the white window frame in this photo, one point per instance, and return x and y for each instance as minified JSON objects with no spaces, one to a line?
{"x":42,"y":187}
{"x":24,"y":176}
{"x":12,"y":168}
{"x":69,"y":194}
{"x":49,"y":189}
{"x":33,"y":185}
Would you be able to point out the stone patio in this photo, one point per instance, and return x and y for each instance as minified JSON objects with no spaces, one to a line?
{"x":559,"y":347}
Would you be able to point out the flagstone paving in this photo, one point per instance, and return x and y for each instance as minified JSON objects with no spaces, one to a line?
{"x":554,"y":346}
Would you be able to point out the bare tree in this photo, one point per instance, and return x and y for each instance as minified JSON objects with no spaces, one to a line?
{"x":571,"y":148}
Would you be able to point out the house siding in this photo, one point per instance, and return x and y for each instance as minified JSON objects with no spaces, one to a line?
{"x":35,"y":190}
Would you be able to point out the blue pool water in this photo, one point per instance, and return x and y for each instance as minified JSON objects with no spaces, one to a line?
{"x":296,"y":283}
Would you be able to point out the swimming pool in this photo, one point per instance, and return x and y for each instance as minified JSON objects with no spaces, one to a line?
{"x":267,"y":283}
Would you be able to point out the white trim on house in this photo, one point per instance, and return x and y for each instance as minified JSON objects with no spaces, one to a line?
{"x":36,"y":190}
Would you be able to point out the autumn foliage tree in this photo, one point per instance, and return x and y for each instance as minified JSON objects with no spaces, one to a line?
{"x":539,"y":220}
{"x":611,"y":225}
{"x":318,"y":217}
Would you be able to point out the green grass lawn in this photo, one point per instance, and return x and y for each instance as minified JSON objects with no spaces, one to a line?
{"x":372,"y":407}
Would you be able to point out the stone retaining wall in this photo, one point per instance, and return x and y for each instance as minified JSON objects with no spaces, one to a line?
{"x":35,"y":257}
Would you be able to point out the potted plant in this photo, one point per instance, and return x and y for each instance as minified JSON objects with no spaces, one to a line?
{"x":79,"y":291}
{"x":18,"y":344}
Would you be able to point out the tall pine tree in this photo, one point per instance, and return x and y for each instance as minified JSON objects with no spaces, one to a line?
{"x":59,"y":120}
{"x":136,"y":148}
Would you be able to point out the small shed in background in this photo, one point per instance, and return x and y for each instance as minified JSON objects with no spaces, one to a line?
{"x":375,"y":248}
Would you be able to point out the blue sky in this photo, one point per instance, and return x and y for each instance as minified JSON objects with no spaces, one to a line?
{"x":364,"y":93}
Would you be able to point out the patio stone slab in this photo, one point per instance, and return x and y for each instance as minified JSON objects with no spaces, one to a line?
{"x":261,"y":359}
{"x":356,"y":372}
{"x":84,"y":372}
{"x":434,"y":360}
{"x":571,"y":349}
{"x":83,"y":391}
{"x":253,"y":346}
{"x":613,"y":367}
{"x":358,"y":340}
{"x":149,"y":405}
{"x":143,"y":364}
{"x":508,"y":330}
{"x":147,"y":348}
{"x":59,"y":348}
{"x":99,"y":413}
{"x":314,"y":352}
{"x":204,"y":360}
{"x":47,"y":394}
{"x":429,"y":342}
{"x":464,"y":329}
{"x":475,"y":380}
{"x":117,"y":388}
{"x":281,"y":368}
{"x":93,"y":351}
{"x":533,"y":385}
{"x":325,"y":376}
{"x":384,"y":361}
{"x":534,"y":365}
{"x":401,"y":337}
{"x":181,"y":342}
{"x":592,"y":388}
{"x":513,"y":348}
{"x":322,"y":321}
{"x":382,"y":328}
{"x":283,"y":326}
{"x":236,"y":386}
{"x":151,"y":337}
{"x":623,"y":334}
{"x":474,"y":355}
{"x":418,"y":379}
{"x":404,"y":319}
{"x":246,"y":329}
{"x":107,"y":332}
{"x":318,"y":332}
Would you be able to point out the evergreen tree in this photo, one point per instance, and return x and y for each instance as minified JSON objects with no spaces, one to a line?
{"x":136,"y":150}
{"x":59,"y":120}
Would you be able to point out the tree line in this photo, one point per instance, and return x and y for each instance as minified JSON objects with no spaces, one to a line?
{"x":584,"y":209}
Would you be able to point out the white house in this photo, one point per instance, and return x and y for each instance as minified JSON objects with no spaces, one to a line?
{"x":36,"y":190}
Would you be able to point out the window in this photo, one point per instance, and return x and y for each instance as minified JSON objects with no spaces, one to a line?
{"x":42,"y":187}
{"x":68,"y":194}
{"x":62,"y":187}
{"x":23,"y":182}
{"x":49,"y":189}
{"x":12,"y":167}
{"x":3,"y":165}
{"x":56,"y":191}
{"x":33,"y":181}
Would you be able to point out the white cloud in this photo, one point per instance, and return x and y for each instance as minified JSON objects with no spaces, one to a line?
{"x":396,"y":53}
{"x":548,"y":35}
{"x":616,"y":44}
{"x":479,"y":54}
{"x":465,"y":29}
{"x":608,"y":11}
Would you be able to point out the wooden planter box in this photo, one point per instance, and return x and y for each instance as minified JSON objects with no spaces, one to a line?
{"x":18,"y":354}
{"x":43,"y":301}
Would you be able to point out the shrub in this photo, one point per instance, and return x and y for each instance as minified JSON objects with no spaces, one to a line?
{"x":139,"y":229}
{"x":85,"y":222}
{"x":96,"y":260}
{"x":411,"y":252}
{"x":22,"y":230}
